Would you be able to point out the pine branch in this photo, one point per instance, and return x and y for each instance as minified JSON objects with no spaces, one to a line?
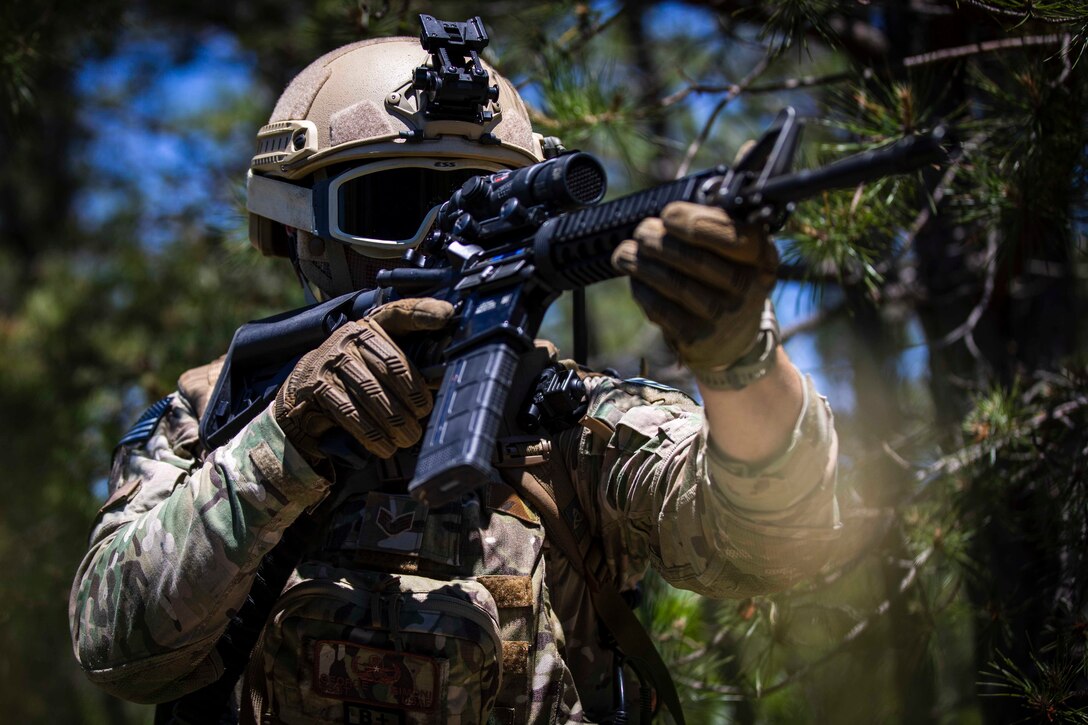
{"x":734,"y":91}
{"x":938,"y":194}
{"x":937,"y":56}
{"x":1067,"y":60}
{"x":698,"y":654}
{"x":959,"y":460}
{"x":577,"y":37}
{"x":812,"y":322}
{"x":966,"y":330}
{"x":988,"y":46}
{"x":857,"y":630}
{"x":1028,"y":13}
{"x":747,"y":85}
{"x":726,"y":692}
{"x":590,"y":119}
{"x":792,"y":84}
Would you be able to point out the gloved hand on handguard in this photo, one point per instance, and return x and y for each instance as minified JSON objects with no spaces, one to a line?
{"x":705,"y":280}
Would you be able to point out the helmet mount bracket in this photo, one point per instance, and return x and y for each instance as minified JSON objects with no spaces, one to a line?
{"x":409,"y":104}
{"x":456,"y":86}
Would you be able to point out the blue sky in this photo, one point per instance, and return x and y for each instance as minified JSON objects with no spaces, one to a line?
{"x":149,"y":145}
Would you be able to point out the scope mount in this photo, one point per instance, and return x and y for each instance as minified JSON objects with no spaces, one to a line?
{"x":456,"y":86}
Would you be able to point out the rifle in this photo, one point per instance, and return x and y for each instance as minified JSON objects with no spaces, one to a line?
{"x":506,"y":245}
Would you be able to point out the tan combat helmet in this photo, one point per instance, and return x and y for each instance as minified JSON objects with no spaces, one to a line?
{"x":355,"y":134}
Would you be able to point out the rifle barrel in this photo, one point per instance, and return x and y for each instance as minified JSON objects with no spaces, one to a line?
{"x":906,"y":154}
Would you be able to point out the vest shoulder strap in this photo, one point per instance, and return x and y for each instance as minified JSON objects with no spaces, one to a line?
{"x":552,"y":500}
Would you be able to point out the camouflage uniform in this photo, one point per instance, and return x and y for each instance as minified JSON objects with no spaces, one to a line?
{"x":420,"y":615}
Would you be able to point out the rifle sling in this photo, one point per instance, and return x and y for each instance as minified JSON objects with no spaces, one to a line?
{"x":628,"y":632}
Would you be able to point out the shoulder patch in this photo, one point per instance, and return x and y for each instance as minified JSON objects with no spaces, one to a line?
{"x":141,"y":429}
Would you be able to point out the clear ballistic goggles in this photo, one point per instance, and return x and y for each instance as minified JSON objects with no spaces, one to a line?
{"x":387,"y":205}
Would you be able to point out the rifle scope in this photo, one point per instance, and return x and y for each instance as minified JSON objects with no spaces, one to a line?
{"x":570,"y":181}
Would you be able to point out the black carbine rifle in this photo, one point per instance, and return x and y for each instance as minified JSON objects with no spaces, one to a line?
{"x":505,"y":246}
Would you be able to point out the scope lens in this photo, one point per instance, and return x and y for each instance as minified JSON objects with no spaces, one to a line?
{"x":585,"y":180}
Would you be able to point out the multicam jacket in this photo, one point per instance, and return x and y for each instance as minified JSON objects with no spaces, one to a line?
{"x":452,"y":615}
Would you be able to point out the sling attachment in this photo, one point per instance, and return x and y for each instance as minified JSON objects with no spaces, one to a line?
{"x":557,"y":403}
{"x":613,"y":611}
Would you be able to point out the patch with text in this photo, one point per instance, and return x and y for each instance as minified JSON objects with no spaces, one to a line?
{"x":350,"y":671}
{"x":364,"y":715}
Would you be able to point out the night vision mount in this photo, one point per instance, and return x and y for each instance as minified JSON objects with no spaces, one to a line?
{"x":456,"y":87}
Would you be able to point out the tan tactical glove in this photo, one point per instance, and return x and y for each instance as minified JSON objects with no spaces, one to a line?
{"x":705,"y":282}
{"x":360,"y":381}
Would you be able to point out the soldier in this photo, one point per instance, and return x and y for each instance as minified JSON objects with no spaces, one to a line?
{"x":500,"y":607}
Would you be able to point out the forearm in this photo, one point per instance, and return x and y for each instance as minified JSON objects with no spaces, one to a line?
{"x":152,"y":597}
{"x":755,"y":423}
{"x":766,"y":522}
{"x":707,"y":521}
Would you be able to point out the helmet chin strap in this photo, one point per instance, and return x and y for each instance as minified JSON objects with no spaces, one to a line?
{"x":338,"y":265}
{"x":292,"y":249}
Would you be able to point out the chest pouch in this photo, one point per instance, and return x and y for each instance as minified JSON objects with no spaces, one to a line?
{"x":360,"y":647}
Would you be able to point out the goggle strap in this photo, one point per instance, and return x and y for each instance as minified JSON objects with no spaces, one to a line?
{"x":279,"y":201}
